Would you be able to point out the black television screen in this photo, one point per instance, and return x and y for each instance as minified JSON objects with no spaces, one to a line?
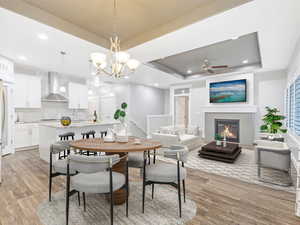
{"x":228,"y":91}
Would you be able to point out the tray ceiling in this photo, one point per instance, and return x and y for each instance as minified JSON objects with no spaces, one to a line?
{"x":230,"y":52}
{"x":138,"y":20}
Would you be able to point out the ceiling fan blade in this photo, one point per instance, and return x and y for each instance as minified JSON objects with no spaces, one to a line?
{"x":210,"y":71}
{"x":220,"y":67}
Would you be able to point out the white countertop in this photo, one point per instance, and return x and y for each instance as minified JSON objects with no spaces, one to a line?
{"x":77,"y":124}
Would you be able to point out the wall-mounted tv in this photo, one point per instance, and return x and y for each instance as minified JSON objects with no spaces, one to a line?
{"x":228,"y":91}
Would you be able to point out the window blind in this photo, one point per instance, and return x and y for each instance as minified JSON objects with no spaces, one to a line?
{"x":287,"y":107}
{"x":292,"y":106}
{"x":297,"y":106}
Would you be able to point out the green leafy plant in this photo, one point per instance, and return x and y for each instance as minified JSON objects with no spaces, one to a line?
{"x":120,"y":114}
{"x":218,"y":137}
{"x":272,"y":121}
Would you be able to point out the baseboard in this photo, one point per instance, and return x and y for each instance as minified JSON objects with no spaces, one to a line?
{"x":27,"y":148}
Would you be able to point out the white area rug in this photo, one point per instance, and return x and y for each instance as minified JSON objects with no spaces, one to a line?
{"x":163,"y":210}
{"x":243,"y":169}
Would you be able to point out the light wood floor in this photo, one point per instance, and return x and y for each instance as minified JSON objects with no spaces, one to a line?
{"x":220,"y":200}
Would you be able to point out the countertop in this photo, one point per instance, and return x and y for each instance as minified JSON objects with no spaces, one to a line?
{"x":77,"y":124}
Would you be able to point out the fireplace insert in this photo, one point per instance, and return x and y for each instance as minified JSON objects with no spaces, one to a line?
{"x":229,"y":126}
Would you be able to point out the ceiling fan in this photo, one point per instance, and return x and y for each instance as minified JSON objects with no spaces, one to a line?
{"x":208,"y":68}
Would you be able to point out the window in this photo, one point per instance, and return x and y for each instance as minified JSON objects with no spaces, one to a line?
{"x":292,"y":106}
{"x":297,"y":107}
{"x":287,"y":107}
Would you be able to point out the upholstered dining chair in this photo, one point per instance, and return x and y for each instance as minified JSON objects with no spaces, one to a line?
{"x":166,"y":173}
{"x":58,"y":167}
{"x":95,"y":175}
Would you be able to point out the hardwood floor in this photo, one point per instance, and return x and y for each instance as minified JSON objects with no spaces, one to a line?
{"x":220,"y":200}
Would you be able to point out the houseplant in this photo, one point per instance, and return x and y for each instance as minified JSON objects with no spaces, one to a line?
{"x":272,"y":122}
{"x":121,"y":131}
{"x":218,"y":139}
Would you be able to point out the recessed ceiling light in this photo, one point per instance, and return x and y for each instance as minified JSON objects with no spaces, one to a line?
{"x":235,"y":38}
{"x":93,"y":73}
{"x":62,"y":89}
{"x":245,"y":61}
{"x":90,"y":92}
{"x":126,"y":77}
{"x":42,"y":36}
{"x":189,"y":71}
{"x":22,"y":57}
{"x":155,"y":84}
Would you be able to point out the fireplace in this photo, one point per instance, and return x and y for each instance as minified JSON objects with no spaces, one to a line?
{"x":231,"y":127}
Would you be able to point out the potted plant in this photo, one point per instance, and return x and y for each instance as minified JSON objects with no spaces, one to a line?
{"x":272,"y":122}
{"x":120,"y":115}
{"x":218,"y":139}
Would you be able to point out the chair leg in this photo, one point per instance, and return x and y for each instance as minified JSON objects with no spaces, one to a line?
{"x":183,"y":186}
{"x":127,"y":189}
{"x":154,"y":156}
{"x":50,"y":177}
{"x":67,"y":197}
{"x":111,"y":197}
{"x":78,"y":196}
{"x":50,"y":187}
{"x":178,"y":187}
{"x":144,"y":182}
{"x":152,"y":191}
{"x":149,"y":159}
{"x":84,"y":201}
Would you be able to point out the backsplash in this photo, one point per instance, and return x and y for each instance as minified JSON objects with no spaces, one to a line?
{"x":51,"y":110}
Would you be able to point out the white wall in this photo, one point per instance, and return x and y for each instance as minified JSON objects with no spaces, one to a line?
{"x":145,"y":101}
{"x":263,"y":89}
{"x":269,"y":88}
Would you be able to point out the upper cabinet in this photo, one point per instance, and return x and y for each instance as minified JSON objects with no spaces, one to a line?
{"x":78,"y":96}
{"x":27,"y":91}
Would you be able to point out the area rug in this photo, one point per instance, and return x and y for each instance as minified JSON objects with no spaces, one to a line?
{"x":244,"y":169}
{"x":162,"y":210}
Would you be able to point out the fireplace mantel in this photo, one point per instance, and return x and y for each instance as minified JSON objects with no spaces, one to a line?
{"x":230,"y":109}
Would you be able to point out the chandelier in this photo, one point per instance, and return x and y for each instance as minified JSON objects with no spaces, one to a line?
{"x":117,"y":63}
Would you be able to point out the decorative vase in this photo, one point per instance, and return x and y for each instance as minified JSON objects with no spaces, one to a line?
{"x":218,"y":143}
{"x":224,"y":142}
{"x":65,"y":121}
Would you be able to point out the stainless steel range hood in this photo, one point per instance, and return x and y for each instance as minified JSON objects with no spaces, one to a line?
{"x":53,"y":84}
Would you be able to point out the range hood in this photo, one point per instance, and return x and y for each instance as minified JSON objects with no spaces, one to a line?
{"x":53,"y":94}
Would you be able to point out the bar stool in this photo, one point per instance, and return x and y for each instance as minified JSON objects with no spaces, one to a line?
{"x":103,"y":134}
{"x":87,"y":135}
{"x":66,"y":137}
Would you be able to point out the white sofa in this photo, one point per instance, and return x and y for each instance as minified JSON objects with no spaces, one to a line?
{"x":190,"y":141}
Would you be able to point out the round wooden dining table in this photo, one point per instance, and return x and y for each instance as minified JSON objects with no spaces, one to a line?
{"x":120,"y":148}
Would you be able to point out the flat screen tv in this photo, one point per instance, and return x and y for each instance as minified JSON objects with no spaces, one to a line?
{"x":228,"y":91}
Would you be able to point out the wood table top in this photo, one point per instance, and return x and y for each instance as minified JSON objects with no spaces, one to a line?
{"x":98,"y":145}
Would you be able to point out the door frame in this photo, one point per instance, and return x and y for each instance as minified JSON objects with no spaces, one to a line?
{"x":172,"y":100}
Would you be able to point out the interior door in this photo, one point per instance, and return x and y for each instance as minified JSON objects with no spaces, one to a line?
{"x":181,"y":110}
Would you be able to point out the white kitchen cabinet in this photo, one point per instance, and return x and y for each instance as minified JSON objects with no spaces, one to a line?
{"x":78,"y":96}
{"x":26,"y":136}
{"x":27,"y":91}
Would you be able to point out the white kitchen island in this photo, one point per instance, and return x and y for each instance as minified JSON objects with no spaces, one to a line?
{"x":49,"y":133}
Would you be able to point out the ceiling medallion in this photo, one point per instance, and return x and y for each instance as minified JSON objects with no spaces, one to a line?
{"x":117,"y":63}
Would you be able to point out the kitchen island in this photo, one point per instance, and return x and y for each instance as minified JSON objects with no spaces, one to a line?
{"x":49,"y":133}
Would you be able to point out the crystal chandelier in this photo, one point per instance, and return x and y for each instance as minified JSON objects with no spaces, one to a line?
{"x":117,"y":63}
